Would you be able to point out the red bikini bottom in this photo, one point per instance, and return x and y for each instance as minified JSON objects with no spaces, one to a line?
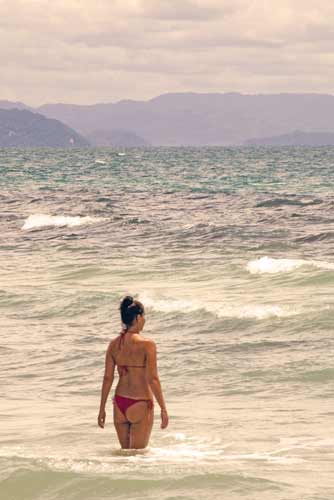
{"x":124,"y":403}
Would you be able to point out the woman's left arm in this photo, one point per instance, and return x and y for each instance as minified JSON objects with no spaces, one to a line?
{"x":106,"y":386}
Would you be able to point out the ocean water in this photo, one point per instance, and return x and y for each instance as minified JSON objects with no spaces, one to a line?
{"x":231,"y":251}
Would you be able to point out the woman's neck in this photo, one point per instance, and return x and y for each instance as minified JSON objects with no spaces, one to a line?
{"x":132,"y":331}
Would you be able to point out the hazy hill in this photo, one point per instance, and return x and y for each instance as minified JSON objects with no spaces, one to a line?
{"x":198,"y":119}
{"x":297,"y":138}
{"x":22,"y":128}
{"x":12,"y":105}
{"x":202,"y":119}
{"x":116,"y":138}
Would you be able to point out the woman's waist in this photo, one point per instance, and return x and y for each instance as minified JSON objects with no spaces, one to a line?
{"x":138,"y":391}
{"x":136,"y":398}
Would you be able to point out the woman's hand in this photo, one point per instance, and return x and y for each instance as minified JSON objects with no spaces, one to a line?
{"x":101,"y":418}
{"x":164,"y":419}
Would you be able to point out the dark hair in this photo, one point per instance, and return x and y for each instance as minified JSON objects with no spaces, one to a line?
{"x":130,"y":309}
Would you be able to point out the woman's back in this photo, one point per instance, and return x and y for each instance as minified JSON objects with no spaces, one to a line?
{"x":129,"y":352}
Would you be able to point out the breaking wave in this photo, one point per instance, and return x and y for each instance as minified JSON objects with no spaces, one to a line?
{"x":43,"y":220}
{"x":273,"y":266}
{"x":220,"y":310}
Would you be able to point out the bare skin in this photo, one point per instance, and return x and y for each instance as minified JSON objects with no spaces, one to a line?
{"x":133,"y":429}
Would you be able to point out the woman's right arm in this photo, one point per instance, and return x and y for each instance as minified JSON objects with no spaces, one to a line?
{"x":106,"y":385}
{"x":154,"y":381}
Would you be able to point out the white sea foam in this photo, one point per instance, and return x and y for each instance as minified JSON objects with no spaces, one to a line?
{"x":221,"y":310}
{"x":265,"y":457}
{"x":272,"y":266}
{"x":152,"y":458}
{"x":175,"y":436}
{"x":42,"y":220}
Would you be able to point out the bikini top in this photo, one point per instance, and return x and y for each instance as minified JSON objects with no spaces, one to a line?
{"x":124,"y":368}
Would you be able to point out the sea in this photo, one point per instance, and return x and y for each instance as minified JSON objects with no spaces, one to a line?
{"x":231,"y":251}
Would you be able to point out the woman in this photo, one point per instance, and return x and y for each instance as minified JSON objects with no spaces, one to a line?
{"x":136,"y":361}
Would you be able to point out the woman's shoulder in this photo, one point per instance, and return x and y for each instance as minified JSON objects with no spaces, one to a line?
{"x":148,"y":344}
{"x":113,"y":343}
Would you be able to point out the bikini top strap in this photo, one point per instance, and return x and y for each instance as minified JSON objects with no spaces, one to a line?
{"x":122,"y":338}
{"x":123,"y":369}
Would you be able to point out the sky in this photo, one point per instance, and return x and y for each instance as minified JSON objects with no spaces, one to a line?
{"x":90,"y":51}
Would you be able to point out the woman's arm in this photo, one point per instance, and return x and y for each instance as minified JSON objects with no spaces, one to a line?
{"x":106,"y":385}
{"x":154,"y":381}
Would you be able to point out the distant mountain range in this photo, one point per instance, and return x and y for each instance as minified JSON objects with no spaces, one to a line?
{"x":192,"y":119}
{"x":296,"y":138}
{"x":22,"y":128}
{"x":116,"y":138}
{"x":14,"y":105}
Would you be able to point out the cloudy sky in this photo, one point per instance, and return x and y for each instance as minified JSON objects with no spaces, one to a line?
{"x":87,"y":51}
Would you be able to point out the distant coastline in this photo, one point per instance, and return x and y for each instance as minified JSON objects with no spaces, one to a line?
{"x":23,"y":128}
{"x":190,"y":119}
{"x":296,"y":138}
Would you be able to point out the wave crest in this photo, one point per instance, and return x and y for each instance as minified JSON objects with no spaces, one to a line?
{"x":272,"y":266}
{"x":43,"y":220}
{"x":220,"y":310}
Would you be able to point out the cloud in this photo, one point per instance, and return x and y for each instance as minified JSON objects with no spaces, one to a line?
{"x":185,"y":10}
{"x":89,"y":51}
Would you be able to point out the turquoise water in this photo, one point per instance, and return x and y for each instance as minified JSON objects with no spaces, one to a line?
{"x":231,"y":251}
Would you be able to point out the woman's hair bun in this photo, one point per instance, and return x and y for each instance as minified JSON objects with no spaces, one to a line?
{"x":126,"y":302}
